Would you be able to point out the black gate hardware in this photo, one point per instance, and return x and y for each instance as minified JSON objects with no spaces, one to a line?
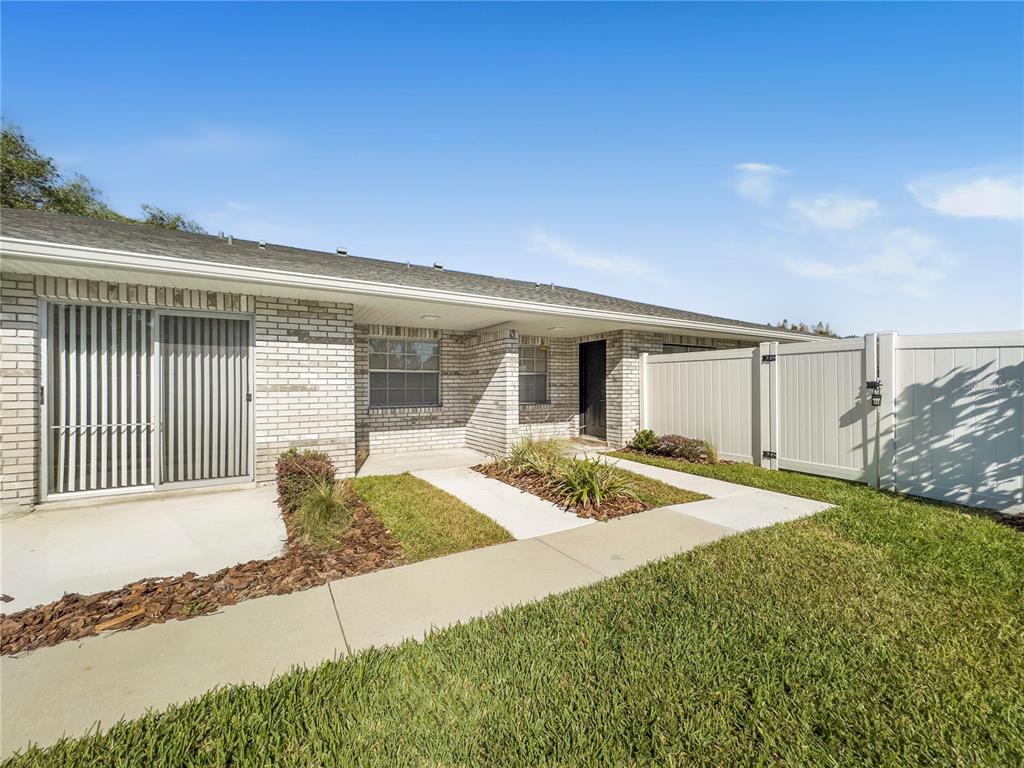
{"x":768,"y":358}
{"x":769,"y":455}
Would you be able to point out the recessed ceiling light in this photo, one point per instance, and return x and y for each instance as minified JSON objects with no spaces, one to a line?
{"x":430,"y":317}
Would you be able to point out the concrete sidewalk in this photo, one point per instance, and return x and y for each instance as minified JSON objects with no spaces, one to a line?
{"x":521,"y":514}
{"x":69,"y":688}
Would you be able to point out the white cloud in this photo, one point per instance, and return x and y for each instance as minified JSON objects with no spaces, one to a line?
{"x":907,"y":259}
{"x":971,"y":195}
{"x":834,"y":211}
{"x":216,"y":141}
{"x":757,"y":181}
{"x":545,"y":244}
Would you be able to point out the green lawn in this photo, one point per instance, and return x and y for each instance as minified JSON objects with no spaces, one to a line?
{"x":427,"y":521}
{"x":884,"y":631}
{"x":657,"y":493}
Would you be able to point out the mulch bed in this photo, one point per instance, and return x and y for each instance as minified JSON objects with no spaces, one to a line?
{"x":366,"y":546}
{"x":539,"y":485}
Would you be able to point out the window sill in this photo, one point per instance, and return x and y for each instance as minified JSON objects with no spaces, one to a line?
{"x":424,"y":409}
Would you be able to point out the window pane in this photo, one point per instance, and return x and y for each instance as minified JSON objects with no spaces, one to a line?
{"x":540,"y":384}
{"x":378,"y":362}
{"x":378,"y":381}
{"x":396,"y":381}
{"x":378,"y":345}
{"x":378,"y":397}
{"x":396,"y":397}
{"x":540,"y":363}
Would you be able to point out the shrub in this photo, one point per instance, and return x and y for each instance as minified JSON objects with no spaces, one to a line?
{"x":539,"y":457}
{"x":643,"y":441}
{"x":588,"y":482}
{"x":685,"y":448}
{"x":324,"y":513}
{"x":296,"y":474}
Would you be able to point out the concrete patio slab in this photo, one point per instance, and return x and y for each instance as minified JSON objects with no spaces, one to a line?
{"x":627,"y":542}
{"x":521,"y":514}
{"x":92,"y":546}
{"x":756,"y":510}
{"x":70,"y":687}
{"x":397,"y":463}
{"x":388,"y":607}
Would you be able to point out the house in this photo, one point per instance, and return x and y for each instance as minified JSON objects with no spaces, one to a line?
{"x":136,"y":358}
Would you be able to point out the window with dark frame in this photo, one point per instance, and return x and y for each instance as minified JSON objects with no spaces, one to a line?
{"x":404,"y":372}
{"x":533,"y":374}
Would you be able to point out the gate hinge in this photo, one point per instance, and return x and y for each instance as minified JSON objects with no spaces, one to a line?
{"x":769,"y":455}
{"x":42,"y":395}
{"x":768,"y":358}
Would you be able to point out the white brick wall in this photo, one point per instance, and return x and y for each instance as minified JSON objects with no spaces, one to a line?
{"x":19,"y":394}
{"x":304,"y":396}
{"x":492,"y":374}
{"x":559,"y":417}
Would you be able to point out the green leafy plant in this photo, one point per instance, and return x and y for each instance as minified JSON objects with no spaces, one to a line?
{"x":539,"y":457}
{"x":297,"y":472}
{"x":685,"y":448}
{"x":325,"y":512}
{"x":588,"y":482}
{"x":643,"y":440}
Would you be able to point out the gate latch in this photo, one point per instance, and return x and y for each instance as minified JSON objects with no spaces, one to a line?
{"x":769,"y":455}
{"x":248,"y":397}
{"x":768,"y":358}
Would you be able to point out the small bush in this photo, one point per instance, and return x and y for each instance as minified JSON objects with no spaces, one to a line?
{"x":588,"y":482}
{"x":685,"y":448}
{"x":539,"y":457}
{"x":324,"y":513}
{"x":643,"y":440}
{"x":297,"y":472}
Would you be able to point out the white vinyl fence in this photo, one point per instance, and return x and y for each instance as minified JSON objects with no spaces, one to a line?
{"x":936,"y":416}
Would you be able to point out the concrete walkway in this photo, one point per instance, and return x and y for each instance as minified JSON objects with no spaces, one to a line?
{"x":521,"y":514}
{"x":69,"y":688}
{"x":412,"y":461}
{"x":93,"y":545}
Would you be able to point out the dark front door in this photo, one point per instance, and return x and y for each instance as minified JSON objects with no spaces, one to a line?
{"x":592,"y":389}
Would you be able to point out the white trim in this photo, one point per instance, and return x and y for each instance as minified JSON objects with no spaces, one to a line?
{"x":98,"y":257}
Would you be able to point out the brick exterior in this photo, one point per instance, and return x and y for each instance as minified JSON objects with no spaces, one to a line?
{"x":304,"y":388}
{"x":312,"y":380}
{"x":19,"y":394}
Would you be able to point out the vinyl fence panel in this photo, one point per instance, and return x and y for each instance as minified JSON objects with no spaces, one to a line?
{"x":959,"y":420}
{"x":706,"y":395}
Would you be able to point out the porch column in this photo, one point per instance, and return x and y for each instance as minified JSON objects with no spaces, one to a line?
{"x":492,"y":383}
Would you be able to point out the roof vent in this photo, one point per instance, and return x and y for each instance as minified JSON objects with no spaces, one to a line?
{"x":263,"y":243}
{"x":341,"y":251}
{"x":438,"y":266}
{"x":221,"y":234}
{"x":230,"y":240}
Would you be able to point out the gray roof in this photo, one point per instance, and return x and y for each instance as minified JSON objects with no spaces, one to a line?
{"x":140,"y":238}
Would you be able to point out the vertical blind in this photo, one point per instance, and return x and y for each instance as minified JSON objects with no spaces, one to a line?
{"x":99,"y":405}
{"x":204,"y":397}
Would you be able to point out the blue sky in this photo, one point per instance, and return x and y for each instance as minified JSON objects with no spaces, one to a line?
{"x":853,"y":163}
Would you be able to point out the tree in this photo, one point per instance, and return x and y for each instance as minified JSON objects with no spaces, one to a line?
{"x":818,"y":329}
{"x":29,"y":179}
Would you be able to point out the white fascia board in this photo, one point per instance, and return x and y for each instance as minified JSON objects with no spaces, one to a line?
{"x":95,"y":257}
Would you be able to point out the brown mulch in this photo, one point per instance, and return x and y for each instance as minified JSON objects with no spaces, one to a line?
{"x":539,"y":485}
{"x":366,"y":546}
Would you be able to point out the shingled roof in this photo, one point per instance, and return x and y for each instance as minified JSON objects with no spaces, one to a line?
{"x":154,"y":241}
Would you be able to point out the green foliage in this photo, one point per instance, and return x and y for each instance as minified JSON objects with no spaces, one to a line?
{"x":685,"y":448}
{"x":29,"y":179}
{"x":297,"y":472}
{"x":325,"y":512}
{"x":540,"y":457}
{"x":643,"y":440}
{"x":882,"y":632}
{"x":426,"y":521}
{"x":588,"y":482}
{"x":818,"y":329}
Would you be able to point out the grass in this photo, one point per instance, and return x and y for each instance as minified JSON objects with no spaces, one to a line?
{"x":883,"y":631}
{"x":656,"y":493}
{"x":427,"y":521}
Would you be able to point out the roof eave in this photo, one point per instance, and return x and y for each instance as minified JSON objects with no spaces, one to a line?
{"x":41,"y":251}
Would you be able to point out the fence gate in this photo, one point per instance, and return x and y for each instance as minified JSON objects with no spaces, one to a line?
{"x":937,"y":416}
